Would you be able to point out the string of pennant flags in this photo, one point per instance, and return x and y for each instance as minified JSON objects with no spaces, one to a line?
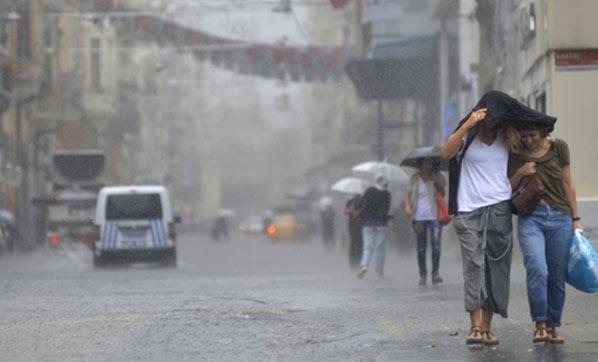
{"x":278,"y":60}
{"x":308,"y":63}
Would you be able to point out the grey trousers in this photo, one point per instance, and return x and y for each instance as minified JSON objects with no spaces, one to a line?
{"x":486,"y":238}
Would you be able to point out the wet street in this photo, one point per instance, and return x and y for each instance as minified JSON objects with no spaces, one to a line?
{"x":253,"y":300}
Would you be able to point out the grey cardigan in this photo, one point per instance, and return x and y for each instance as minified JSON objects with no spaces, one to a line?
{"x":430,"y":186}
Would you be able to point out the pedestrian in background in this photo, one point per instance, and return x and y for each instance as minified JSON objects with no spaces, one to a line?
{"x":374,"y":207}
{"x":420,"y":205}
{"x":328,"y":223}
{"x":545,"y":233}
{"x":355,"y":225}
{"x":479,"y":194}
{"x":220,"y":229}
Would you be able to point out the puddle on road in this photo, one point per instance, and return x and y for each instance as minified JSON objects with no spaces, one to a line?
{"x":236,"y":313}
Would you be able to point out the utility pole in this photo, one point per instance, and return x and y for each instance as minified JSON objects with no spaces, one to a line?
{"x":380,"y":125}
{"x":443,"y":74}
{"x":21,"y":161}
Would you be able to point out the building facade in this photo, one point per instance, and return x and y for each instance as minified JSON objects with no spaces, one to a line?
{"x":545,"y":53}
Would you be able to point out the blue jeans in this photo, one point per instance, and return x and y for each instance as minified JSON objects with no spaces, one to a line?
{"x":421,"y":232}
{"x":544,"y":236}
{"x":374,"y":238}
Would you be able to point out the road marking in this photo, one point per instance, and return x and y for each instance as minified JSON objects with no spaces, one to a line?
{"x":391,"y":328}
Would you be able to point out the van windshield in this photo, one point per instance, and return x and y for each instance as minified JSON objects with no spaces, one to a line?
{"x":133,"y":207}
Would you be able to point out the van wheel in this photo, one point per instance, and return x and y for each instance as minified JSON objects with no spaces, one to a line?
{"x":170,"y":258}
{"x":98,"y":262}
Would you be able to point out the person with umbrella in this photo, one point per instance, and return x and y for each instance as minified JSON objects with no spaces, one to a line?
{"x":374,"y":208}
{"x":328,"y":222}
{"x":479,"y":197}
{"x":355,"y":226}
{"x":355,"y":187}
{"x":420,"y":205}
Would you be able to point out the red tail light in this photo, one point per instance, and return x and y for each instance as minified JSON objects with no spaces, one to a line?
{"x":54,"y":240}
{"x":271,"y":230}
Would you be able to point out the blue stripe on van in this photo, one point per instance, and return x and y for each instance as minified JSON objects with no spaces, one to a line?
{"x":154,"y":233}
{"x":158,"y":234}
{"x":109,"y":236}
{"x":163,"y":233}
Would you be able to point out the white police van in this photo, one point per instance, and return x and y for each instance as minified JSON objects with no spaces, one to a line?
{"x":134,"y":223}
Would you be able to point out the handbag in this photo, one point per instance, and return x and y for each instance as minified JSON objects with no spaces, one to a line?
{"x":442,"y":207}
{"x":527,"y":195}
{"x":582,"y":271}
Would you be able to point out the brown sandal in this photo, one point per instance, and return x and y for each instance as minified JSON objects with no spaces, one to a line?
{"x":553,"y":337}
{"x":475,"y":335}
{"x":540,"y":334}
{"x":488,"y":338}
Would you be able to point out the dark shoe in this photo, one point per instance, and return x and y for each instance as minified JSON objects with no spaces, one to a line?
{"x":436,"y":279}
{"x":553,"y":337}
{"x":540,"y":334}
{"x":422,"y":279}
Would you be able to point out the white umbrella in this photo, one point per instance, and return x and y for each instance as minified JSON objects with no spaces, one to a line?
{"x":398,"y":179}
{"x":350,"y":185}
{"x":226,"y":213}
{"x":324,"y":202}
{"x":395,"y":174}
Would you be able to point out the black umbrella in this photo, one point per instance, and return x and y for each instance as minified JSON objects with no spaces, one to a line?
{"x":414,"y":157}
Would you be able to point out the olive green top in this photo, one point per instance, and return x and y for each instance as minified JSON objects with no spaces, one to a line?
{"x":550,"y":171}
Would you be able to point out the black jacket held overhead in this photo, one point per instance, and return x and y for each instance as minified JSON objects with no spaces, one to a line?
{"x":506,"y":108}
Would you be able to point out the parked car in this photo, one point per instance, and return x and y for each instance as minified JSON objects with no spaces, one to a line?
{"x":288,"y":226}
{"x":253,"y":225}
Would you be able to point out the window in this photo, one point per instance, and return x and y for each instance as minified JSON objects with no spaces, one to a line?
{"x":416,"y":6}
{"x":24,"y":33}
{"x":133,"y":207}
{"x":96,"y":80}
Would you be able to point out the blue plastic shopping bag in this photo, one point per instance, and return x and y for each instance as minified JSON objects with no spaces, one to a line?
{"x":583,"y":264}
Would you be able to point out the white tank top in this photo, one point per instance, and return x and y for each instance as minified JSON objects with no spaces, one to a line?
{"x":483,"y":180}
{"x":424,"y":209}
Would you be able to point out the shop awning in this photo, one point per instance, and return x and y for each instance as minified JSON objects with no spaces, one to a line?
{"x":400,"y":69}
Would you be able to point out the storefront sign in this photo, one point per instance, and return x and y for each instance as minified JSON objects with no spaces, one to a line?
{"x":580,"y":59}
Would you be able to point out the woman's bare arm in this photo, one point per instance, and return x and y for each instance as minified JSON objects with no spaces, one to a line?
{"x":407,"y":205}
{"x":455,"y":141}
{"x":571,"y":195}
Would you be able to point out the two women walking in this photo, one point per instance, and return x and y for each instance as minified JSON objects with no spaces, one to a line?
{"x":484,"y":151}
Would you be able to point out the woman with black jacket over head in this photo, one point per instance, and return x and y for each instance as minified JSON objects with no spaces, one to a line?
{"x":479,"y":199}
